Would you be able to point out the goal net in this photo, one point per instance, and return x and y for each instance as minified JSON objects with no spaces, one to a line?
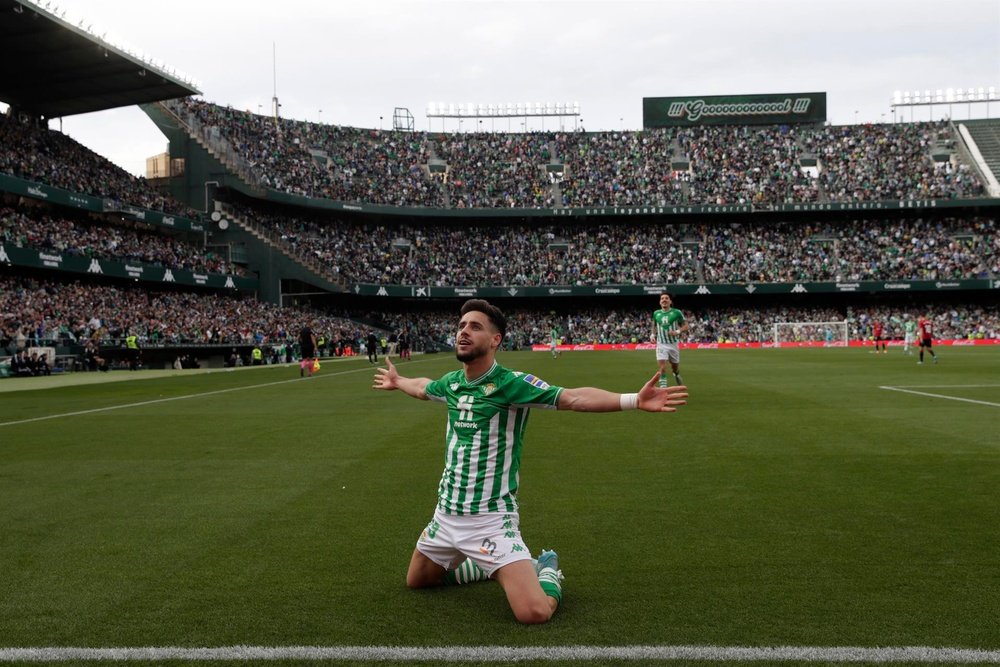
{"x":810,"y":334}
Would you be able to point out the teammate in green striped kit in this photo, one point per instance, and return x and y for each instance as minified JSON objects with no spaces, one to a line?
{"x":475,"y":532}
{"x":668,"y":325}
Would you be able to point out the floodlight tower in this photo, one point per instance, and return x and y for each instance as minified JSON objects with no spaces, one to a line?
{"x":402,"y":120}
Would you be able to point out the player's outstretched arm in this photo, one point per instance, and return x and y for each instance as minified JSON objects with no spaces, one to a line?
{"x":650,"y":398}
{"x":388,"y":379}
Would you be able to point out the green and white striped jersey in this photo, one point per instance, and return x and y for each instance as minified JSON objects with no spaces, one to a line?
{"x":485,"y":435}
{"x":665,"y":320}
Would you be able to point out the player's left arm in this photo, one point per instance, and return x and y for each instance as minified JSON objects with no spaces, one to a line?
{"x":650,"y":398}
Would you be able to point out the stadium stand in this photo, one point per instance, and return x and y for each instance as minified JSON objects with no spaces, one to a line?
{"x":68,"y":314}
{"x":64,"y":232}
{"x":38,"y":154}
{"x":415,"y":253}
{"x":754,"y":165}
{"x":710,"y":325}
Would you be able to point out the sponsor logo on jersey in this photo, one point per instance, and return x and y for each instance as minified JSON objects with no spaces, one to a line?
{"x":536,"y":382}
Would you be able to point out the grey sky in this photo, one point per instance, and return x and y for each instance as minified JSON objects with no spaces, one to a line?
{"x":358,"y":60}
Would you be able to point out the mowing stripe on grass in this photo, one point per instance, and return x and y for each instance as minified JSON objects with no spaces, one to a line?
{"x":198,"y":395}
{"x":493,"y":654}
{"x":949,"y":398}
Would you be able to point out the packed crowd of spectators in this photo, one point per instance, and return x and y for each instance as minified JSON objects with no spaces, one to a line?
{"x":122,"y":242}
{"x":480,"y":254}
{"x":35,"y":310}
{"x":441,"y":254}
{"x":323,"y":161}
{"x":38,"y":154}
{"x":910,"y":249}
{"x":487,"y":170}
{"x":753,"y":165}
{"x":712,"y":325}
{"x":872,"y":162}
{"x":47,"y":312}
{"x":620,"y":168}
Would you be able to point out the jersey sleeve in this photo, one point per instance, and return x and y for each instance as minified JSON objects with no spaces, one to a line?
{"x":436,"y":389}
{"x":526,"y":390}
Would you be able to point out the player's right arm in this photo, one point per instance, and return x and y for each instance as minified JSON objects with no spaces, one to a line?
{"x":388,"y":379}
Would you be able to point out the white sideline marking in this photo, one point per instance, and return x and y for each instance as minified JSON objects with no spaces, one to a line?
{"x":206,"y":393}
{"x":949,"y":398}
{"x":948,"y":386}
{"x":494,"y":654}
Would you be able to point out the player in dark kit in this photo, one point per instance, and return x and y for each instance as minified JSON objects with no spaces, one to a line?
{"x":307,"y":344}
{"x":926,"y":330}
{"x":404,"y":344}
{"x":372,"y":345}
{"x":877,"y":330}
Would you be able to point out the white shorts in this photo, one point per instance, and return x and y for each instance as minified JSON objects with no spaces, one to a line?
{"x":910,"y":339}
{"x":489,"y":540}
{"x":668,"y":352}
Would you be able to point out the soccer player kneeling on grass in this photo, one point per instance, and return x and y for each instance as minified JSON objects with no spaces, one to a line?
{"x":475,"y":532}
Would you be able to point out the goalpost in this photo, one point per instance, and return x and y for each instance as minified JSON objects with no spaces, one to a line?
{"x":810,"y":334}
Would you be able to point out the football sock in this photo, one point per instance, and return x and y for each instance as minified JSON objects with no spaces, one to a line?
{"x":551,"y":586}
{"x":663,"y":379}
{"x":466,"y":573}
{"x":677,"y":376}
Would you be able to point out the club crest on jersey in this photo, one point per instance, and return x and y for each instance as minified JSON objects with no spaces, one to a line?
{"x":489,"y":388}
{"x":454,"y":386}
{"x":536,"y":382}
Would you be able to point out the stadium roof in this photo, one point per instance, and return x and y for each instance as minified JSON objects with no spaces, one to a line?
{"x":55,"y":69}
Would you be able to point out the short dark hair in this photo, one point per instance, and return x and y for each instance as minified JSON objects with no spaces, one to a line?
{"x":495,"y":315}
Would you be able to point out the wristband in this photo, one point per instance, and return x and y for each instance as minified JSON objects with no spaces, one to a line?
{"x":629,"y":401}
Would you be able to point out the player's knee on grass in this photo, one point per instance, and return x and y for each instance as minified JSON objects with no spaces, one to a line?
{"x":533,"y":611}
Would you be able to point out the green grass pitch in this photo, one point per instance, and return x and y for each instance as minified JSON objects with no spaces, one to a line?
{"x":793,"y":502}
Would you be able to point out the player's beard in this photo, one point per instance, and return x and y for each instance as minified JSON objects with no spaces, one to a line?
{"x":472,"y":354}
